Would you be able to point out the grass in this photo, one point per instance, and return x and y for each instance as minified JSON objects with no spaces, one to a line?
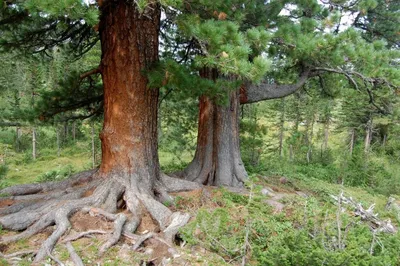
{"x":304,"y":233}
{"x":29,"y":172}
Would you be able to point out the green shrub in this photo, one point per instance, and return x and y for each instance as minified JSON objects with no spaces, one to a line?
{"x":3,"y":170}
{"x":55,"y":175}
{"x":305,"y":233}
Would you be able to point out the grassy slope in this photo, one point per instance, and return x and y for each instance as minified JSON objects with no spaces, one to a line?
{"x":304,"y":233}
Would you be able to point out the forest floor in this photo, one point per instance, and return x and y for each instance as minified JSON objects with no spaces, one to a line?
{"x":223,"y":229}
{"x":275,"y":220}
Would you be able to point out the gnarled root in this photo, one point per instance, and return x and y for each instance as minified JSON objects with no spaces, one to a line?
{"x":74,"y":257}
{"x":38,"y":206}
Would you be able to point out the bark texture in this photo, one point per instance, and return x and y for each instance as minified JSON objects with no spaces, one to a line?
{"x":129,"y":136}
{"x":217,"y":159}
{"x":251,"y":93}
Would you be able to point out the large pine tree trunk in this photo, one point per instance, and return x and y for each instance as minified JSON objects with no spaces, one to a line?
{"x":129,"y":168}
{"x":217,"y":159}
{"x":129,"y":136}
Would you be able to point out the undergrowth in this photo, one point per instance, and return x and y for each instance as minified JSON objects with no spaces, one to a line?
{"x":305,"y":233}
{"x":56,"y":175}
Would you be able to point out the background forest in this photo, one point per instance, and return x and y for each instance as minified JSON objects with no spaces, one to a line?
{"x":334,"y":140}
{"x":332,"y":133}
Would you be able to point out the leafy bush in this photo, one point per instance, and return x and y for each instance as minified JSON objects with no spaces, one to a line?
{"x":305,"y":233}
{"x":217,"y":232}
{"x":55,"y":175}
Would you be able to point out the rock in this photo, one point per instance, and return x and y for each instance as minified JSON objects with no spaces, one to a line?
{"x":283,"y":180}
{"x":279,"y":196}
{"x":302,"y":194}
{"x":149,"y":251}
{"x":266,"y":191}
{"x":278,"y":207}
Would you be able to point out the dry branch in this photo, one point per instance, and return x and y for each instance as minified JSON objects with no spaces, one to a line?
{"x":368,"y":215}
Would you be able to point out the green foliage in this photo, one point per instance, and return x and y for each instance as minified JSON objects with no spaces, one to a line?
{"x":305,"y":233}
{"x":252,"y":135}
{"x":56,"y":175}
{"x":3,"y":170}
{"x":217,"y":232}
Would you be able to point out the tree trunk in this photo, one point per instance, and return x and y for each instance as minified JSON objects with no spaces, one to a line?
{"x":74,"y":131}
{"x":17,"y":140}
{"x":217,"y":159}
{"x":93,"y":147}
{"x":368,"y":135}
{"x":34,"y":152}
{"x":282,"y":127}
{"x":310,"y":140}
{"x":129,"y":43}
{"x":291,"y":155}
{"x":129,"y":168}
{"x":58,"y":142}
{"x":326,"y":134}
{"x":65,"y":132}
{"x":352,"y":139}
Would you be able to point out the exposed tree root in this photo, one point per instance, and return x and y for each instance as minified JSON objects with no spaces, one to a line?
{"x":119,"y":221}
{"x":38,"y":206}
{"x":73,"y":255}
{"x":141,"y":239}
{"x":26,"y":189}
{"x":55,"y":259}
{"x":19,"y":253}
{"x":177,"y":221}
{"x":83,"y":234}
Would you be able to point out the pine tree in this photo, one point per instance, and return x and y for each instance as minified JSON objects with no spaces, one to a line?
{"x":218,"y":44}
{"x":129,"y":36}
{"x":302,"y":50}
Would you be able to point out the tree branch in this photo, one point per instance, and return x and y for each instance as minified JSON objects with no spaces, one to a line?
{"x":89,"y":73}
{"x":60,"y":109}
{"x":10,"y":124}
{"x":367,"y":80}
{"x":251,"y":93}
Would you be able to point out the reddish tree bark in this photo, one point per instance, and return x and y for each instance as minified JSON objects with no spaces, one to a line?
{"x":129,"y":169}
{"x":217,"y":160}
{"x":129,"y":136}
